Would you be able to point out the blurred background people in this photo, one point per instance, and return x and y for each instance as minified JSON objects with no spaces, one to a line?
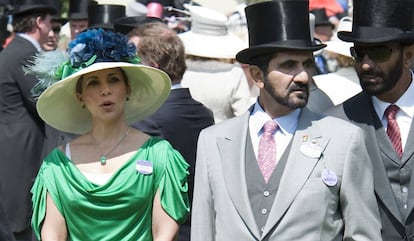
{"x":342,"y":83}
{"x":77,"y":21}
{"x":318,"y":100}
{"x":57,"y":22}
{"x":323,"y":32}
{"x":213,"y":75}
{"x":22,"y":132}
{"x":335,"y":9}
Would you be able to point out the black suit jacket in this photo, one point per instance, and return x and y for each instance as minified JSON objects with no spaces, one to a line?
{"x":180,"y":120}
{"x":21,"y":133}
{"x":5,"y":231}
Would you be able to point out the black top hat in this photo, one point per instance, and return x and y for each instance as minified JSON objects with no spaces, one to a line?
{"x":24,"y":7}
{"x":321,"y":18}
{"x":78,"y":9}
{"x":126,"y":24}
{"x":275,"y":25}
{"x":104,"y":15}
{"x":57,"y":4}
{"x":378,"y":21}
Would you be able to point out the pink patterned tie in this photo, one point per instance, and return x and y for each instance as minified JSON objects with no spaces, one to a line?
{"x":267,"y":150}
{"x":393,"y":130}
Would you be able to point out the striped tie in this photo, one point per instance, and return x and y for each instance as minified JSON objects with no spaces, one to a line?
{"x":393,"y":130}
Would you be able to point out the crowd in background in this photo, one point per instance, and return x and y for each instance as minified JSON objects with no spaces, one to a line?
{"x":208,"y":88}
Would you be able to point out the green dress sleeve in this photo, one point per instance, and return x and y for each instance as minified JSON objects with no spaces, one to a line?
{"x":173,"y":185}
{"x":39,"y":192}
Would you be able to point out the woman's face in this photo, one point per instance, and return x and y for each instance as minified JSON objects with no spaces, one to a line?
{"x":104,"y":93}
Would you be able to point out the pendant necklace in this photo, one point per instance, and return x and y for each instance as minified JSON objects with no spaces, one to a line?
{"x":103,"y":156}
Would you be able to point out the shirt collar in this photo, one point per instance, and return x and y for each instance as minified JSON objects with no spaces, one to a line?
{"x":287,"y":123}
{"x":405,"y":102}
{"x":31,"y":40}
{"x":176,"y":86}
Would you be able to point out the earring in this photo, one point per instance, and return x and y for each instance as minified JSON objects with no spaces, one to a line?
{"x":127,"y":98}
{"x":83,"y":106}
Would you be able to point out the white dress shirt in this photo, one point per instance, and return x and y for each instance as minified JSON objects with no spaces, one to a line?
{"x":286,"y":129}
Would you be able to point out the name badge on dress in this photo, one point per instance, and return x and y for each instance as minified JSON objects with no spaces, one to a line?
{"x":144,"y":167}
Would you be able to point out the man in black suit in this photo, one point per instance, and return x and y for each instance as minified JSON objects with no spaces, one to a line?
{"x":181,"y":118}
{"x":384,"y":52}
{"x":21,"y":129}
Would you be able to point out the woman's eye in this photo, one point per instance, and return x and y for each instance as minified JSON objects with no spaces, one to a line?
{"x":114,"y":79}
{"x":92,"y":83}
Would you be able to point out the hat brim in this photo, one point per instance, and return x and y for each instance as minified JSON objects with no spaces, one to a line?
{"x":246,"y":56}
{"x":33,"y":8}
{"x":376,"y":35}
{"x":212,"y":46}
{"x":339,"y":47}
{"x":59,"y":107}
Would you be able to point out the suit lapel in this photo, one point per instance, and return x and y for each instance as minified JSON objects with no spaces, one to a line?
{"x":232,"y":152}
{"x":298,"y":168}
{"x":377,"y":142}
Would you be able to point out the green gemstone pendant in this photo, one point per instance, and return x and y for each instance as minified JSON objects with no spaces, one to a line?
{"x":103,"y":160}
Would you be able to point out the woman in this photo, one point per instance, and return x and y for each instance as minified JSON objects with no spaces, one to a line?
{"x":113,"y":182}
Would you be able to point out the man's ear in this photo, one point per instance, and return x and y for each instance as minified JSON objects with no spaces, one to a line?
{"x":39,"y":22}
{"x":257,"y":75}
{"x":409,"y":55}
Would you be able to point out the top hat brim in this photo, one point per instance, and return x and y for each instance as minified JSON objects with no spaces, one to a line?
{"x":376,"y":35}
{"x":247,"y":55}
{"x":126,"y":24}
{"x":78,"y":16}
{"x":33,"y":8}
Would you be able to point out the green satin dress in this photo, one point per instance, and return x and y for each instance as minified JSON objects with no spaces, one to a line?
{"x":120,"y":209}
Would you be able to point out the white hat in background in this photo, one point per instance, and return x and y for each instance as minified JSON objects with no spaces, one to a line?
{"x":338,"y":46}
{"x":134,"y":9}
{"x":209,"y":36}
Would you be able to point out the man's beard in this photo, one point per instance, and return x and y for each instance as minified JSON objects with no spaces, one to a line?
{"x":388,"y":80}
{"x":297,"y":102}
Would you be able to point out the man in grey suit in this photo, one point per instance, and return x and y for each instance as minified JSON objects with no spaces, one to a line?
{"x":322,"y":186}
{"x":383,"y":37}
{"x":21,"y":129}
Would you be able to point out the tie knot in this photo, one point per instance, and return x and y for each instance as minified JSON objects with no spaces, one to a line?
{"x":391,"y":111}
{"x":270,"y":127}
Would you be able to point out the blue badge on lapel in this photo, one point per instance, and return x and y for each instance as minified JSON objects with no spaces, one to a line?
{"x":144,"y":167}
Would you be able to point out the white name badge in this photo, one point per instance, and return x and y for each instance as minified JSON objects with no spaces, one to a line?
{"x":144,"y":167}
{"x":311,"y":149}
